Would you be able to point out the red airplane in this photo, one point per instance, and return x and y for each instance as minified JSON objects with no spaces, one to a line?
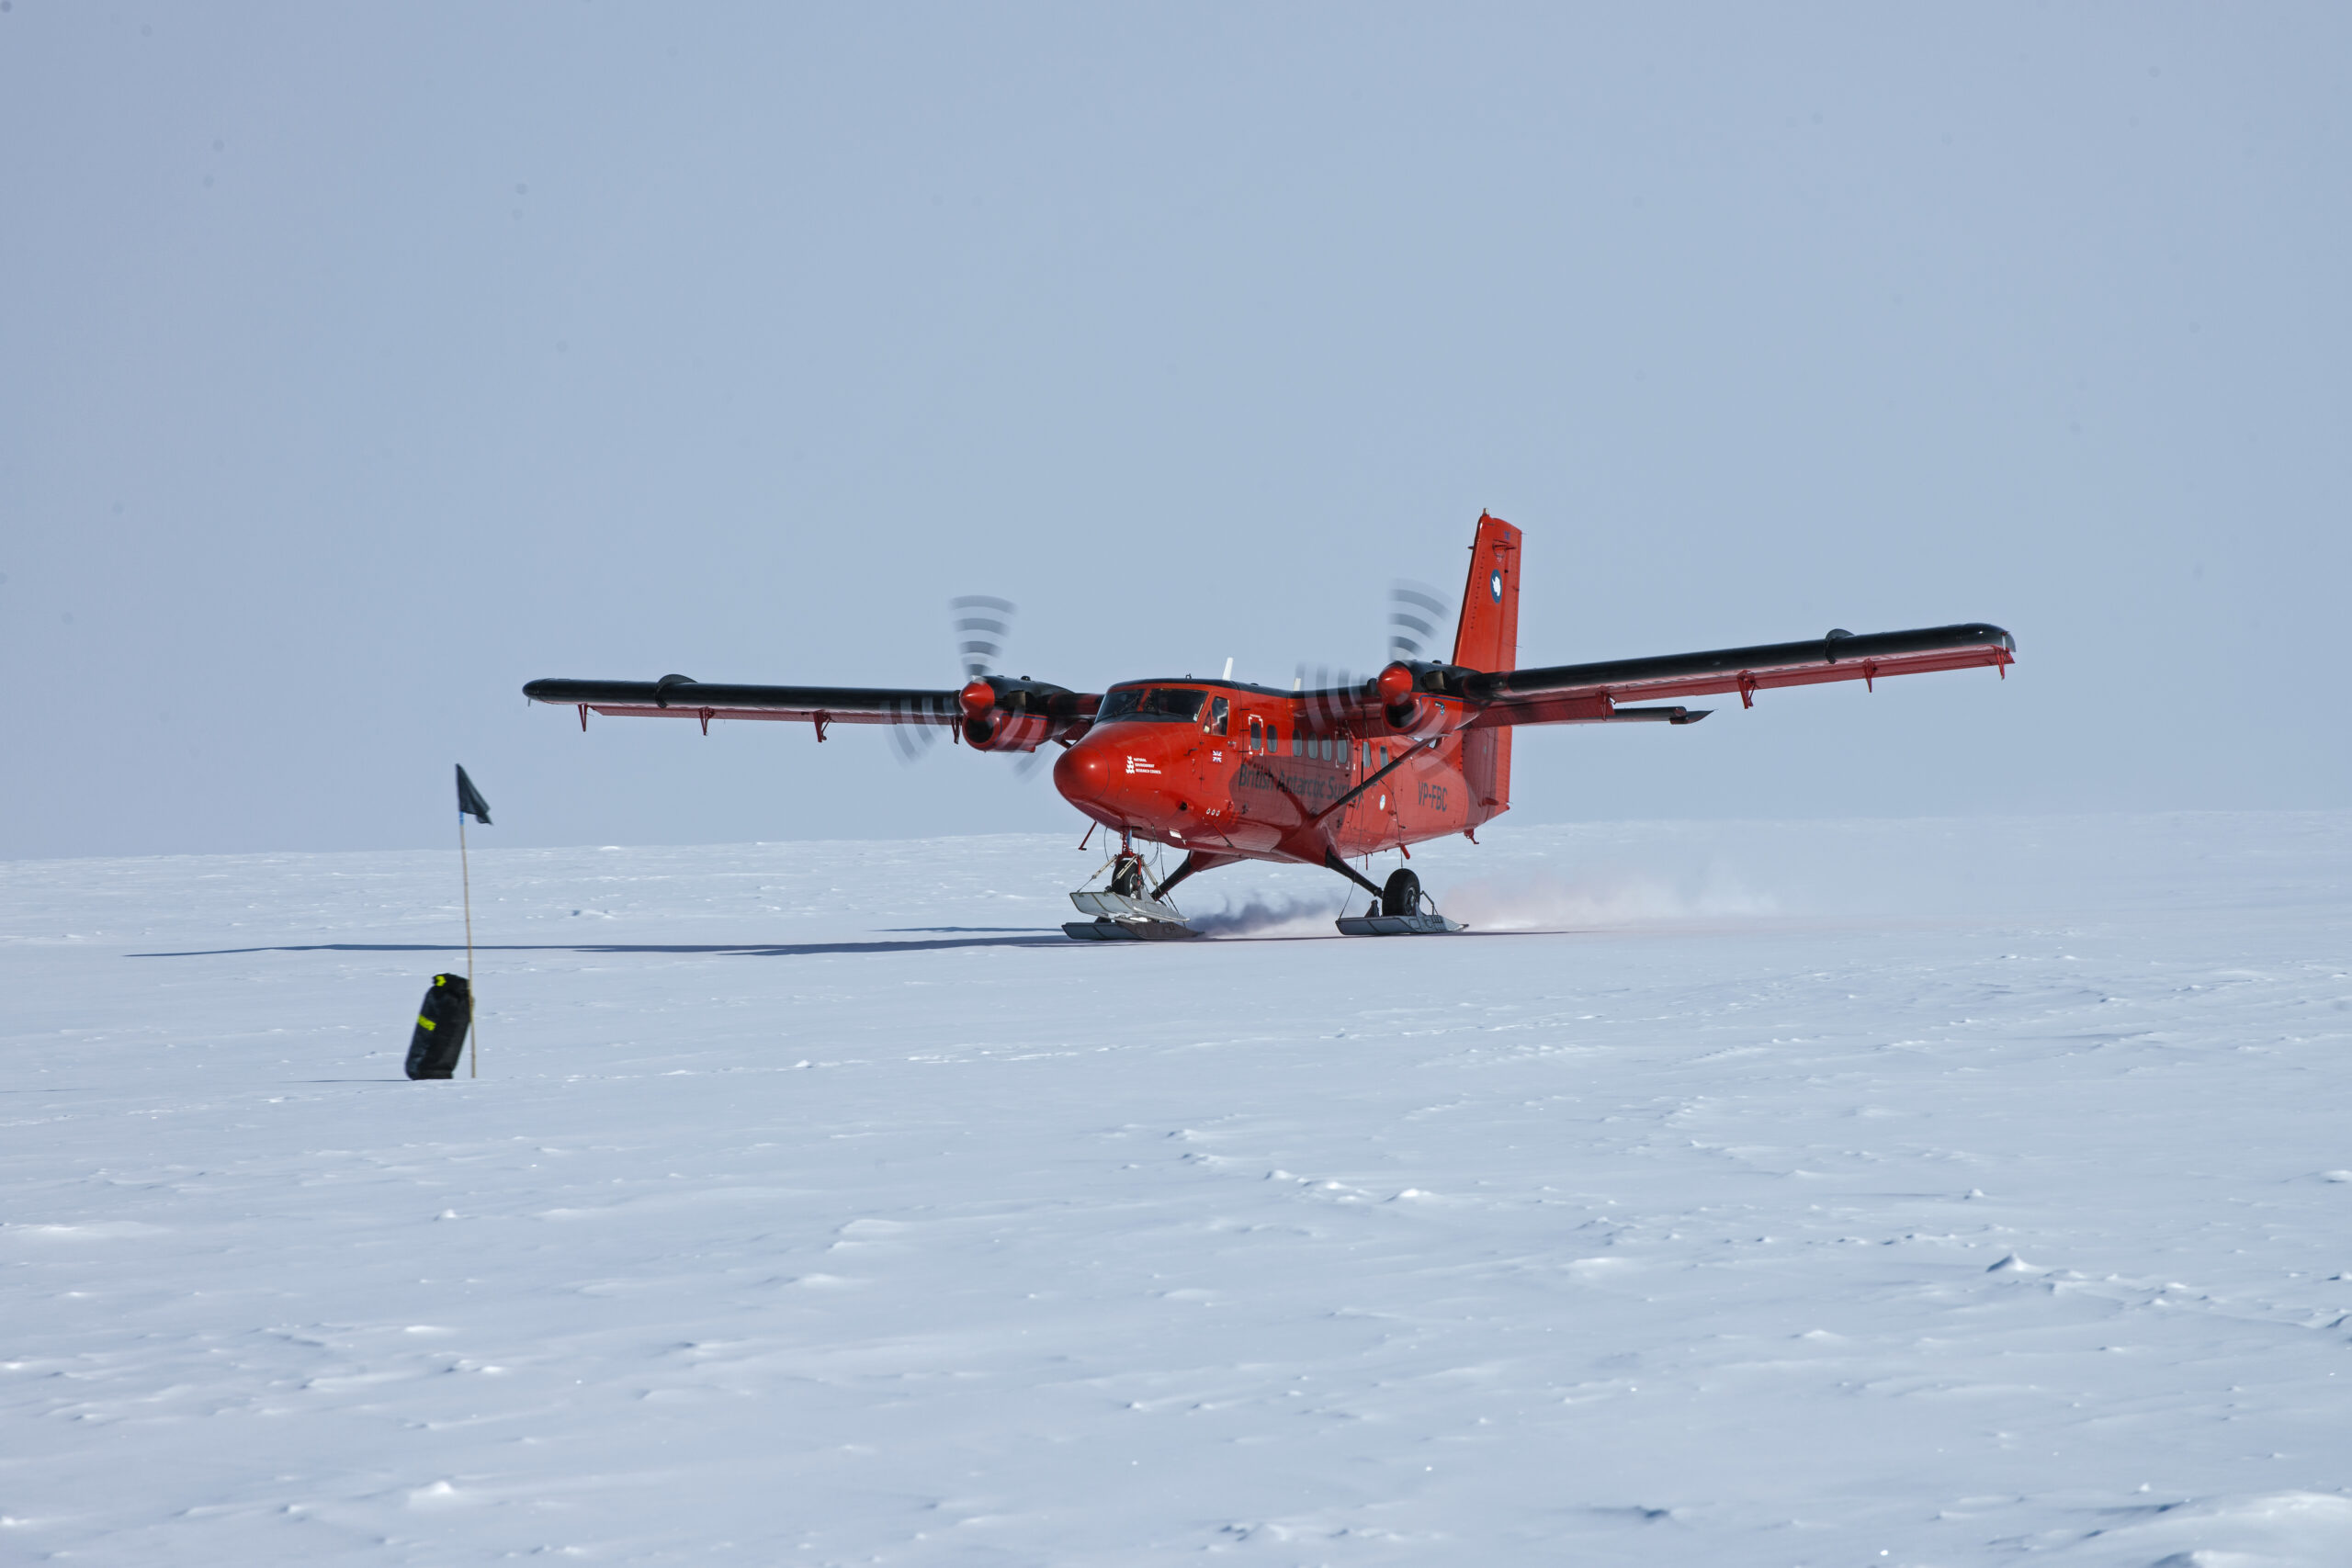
{"x":1225,"y":771}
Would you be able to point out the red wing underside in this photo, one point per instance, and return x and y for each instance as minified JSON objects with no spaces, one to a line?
{"x":804,"y":716}
{"x":676,"y":697}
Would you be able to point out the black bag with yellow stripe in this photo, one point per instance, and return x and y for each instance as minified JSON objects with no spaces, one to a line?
{"x":440,"y":1035}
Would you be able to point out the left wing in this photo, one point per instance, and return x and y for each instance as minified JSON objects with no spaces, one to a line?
{"x":676,"y":696}
{"x":993,"y":712}
{"x":1588,"y":693}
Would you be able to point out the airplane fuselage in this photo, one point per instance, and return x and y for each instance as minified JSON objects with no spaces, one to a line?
{"x":1217,"y":767}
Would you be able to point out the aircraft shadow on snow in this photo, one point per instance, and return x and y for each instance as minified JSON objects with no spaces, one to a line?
{"x":1027,"y":937}
{"x":744,"y":949}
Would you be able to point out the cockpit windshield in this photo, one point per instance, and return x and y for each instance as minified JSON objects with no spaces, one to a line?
{"x":1166,"y":703}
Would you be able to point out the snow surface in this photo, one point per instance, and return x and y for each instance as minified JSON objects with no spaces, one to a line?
{"x":1824,"y":1194}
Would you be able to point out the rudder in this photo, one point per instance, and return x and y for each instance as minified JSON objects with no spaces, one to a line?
{"x":1488,"y":639}
{"x":1487,"y":636}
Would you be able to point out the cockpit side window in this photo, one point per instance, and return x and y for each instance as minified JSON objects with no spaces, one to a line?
{"x":1220,"y":722}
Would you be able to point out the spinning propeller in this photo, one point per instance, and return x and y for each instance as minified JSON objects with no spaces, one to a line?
{"x":982,"y":624}
{"x":1418,"y":621}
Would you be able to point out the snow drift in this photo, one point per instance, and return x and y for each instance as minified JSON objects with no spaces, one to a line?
{"x":1891,"y":1192}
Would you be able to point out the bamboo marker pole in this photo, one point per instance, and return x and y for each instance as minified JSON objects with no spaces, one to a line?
{"x":466,"y":876}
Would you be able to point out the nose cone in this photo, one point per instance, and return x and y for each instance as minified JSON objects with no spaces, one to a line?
{"x":1083,"y":774}
{"x":1112,"y":777}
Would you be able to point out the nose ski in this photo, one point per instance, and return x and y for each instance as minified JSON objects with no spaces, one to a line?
{"x":1124,"y":911}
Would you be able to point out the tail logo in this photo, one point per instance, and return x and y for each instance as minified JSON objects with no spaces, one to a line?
{"x":1495,"y":586}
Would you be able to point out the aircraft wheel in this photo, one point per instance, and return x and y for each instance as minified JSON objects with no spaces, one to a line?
{"x":1402,"y":895}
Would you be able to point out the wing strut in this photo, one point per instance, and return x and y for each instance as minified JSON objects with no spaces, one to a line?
{"x":1331,"y":859}
{"x":1402,"y":758}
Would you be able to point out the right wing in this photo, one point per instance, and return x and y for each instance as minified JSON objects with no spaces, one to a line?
{"x":1585,"y":694}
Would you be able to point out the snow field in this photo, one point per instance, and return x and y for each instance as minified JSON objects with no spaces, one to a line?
{"x":1904,"y":1192}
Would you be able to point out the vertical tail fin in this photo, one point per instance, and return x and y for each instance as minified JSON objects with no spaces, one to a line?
{"x":1487,"y":637}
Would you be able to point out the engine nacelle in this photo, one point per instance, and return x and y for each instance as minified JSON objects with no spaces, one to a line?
{"x":1001,"y":713}
{"x":1410,"y":696}
{"x":1416,"y":717}
{"x":1007,"y":731}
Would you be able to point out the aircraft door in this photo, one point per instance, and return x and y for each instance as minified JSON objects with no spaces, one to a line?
{"x":1215,"y":760}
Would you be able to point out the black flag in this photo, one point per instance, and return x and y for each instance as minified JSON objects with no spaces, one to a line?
{"x":469,"y":800}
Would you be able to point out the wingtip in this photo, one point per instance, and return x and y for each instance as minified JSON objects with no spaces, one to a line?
{"x":1985,"y":631}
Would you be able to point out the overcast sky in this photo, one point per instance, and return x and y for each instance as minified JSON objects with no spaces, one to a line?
{"x":358,"y":364}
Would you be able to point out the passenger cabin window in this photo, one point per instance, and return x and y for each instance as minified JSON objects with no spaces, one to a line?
{"x":1257,"y":733}
{"x":1219,"y":718}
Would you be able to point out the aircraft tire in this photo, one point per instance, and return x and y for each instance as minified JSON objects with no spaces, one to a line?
{"x":1402,"y":895}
